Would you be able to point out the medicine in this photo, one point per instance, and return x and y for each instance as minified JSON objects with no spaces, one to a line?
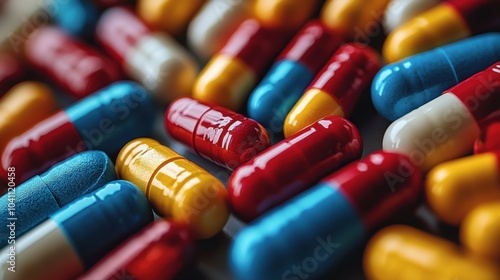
{"x":456,"y":187}
{"x":336,"y":88}
{"x":215,"y":133}
{"x":318,"y":228}
{"x":387,"y":256}
{"x":210,"y":29}
{"x":11,"y":72}
{"x":408,"y":84}
{"x":154,"y":59}
{"x":171,"y":16}
{"x":78,"y":235}
{"x":159,"y":251}
{"x":284,"y":14}
{"x":42,"y":195}
{"x":71,"y":64}
{"x":447,"y":22}
{"x":292,"y":72}
{"x":175,"y":186}
{"x":234,"y":71}
{"x":399,"y":12}
{"x":480,"y":231}
{"x":76,"y":17}
{"x":489,"y":140}
{"x":105,"y":120}
{"x":446,"y":127}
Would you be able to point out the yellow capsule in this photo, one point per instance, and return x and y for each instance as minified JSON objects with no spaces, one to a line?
{"x":455,"y":187}
{"x":438,"y":26}
{"x":175,"y":186}
{"x":290,"y":14}
{"x":405,"y":253}
{"x":171,"y":16}
{"x":354,"y":18}
{"x":22,"y":107}
{"x":480,"y":231}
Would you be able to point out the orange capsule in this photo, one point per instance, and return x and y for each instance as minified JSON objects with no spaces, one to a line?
{"x":290,"y":14}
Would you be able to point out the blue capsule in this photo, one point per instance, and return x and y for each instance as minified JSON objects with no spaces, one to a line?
{"x":76,"y":17}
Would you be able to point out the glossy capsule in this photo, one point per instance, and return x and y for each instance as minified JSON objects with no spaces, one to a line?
{"x":175,"y":186}
{"x":11,"y":70}
{"x":105,"y":120}
{"x":402,"y":252}
{"x":399,"y":12}
{"x":318,"y":228}
{"x":446,"y":127}
{"x":336,"y":88}
{"x":480,"y":230}
{"x":155,"y":60}
{"x":293,"y":165}
{"x":403,"y":86}
{"x":215,"y":133}
{"x":44,"y":194}
{"x":292,"y":72}
{"x":285,"y":14}
{"x":456,"y":187}
{"x":71,"y":64}
{"x":234,"y":71}
{"x":212,"y":26}
{"x":78,"y":235}
{"x":76,"y":17}
{"x":489,"y":140}
{"x":159,"y":251}
{"x":447,"y":22}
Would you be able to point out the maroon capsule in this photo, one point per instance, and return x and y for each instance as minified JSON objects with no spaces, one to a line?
{"x":215,"y":133}
{"x":71,"y":64}
{"x":489,"y":140}
{"x":11,"y":71}
{"x":293,"y":165}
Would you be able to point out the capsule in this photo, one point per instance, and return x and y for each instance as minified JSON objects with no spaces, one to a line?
{"x":210,"y":29}
{"x":336,"y":88}
{"x":318,"y":228}
{"x":354,"y":18}
{"x":480,"y":231}
{"x":292,"y":72}
{"x":399,"y":12}
{"x":402,"y":252}
{"x":234,"y":71}
{"x":105,"y":120}
{"x":175,"y":186}
{"x":78,"y":235}
{"x":284,"y":14}
{"x":488,"y":141}
{"x":171,"y":16}
{"x":71,"y":64}
{"x":159,"y":251}
{"x":110,"y":3}
{"x":446,"y":127}
{"x":42,"y":195}
{"x":454,"y":188}
{"x":408,"y":84}
{"x":76,"y":17}
{"x":447,"y":22}
{"x":155,"y":60}
{"x":11,"y":71}
{"x":215,"y":133}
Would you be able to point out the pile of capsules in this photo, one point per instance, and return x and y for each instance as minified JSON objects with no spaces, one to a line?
{"x":80,"y":184}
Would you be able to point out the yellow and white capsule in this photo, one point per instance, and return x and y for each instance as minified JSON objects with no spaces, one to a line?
{"x":399,"y":12}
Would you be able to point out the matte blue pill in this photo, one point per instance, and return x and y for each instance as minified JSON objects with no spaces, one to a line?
{"x":76,"y":17}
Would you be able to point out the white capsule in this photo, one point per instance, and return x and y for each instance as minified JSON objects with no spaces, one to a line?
{"x":400,"y":11}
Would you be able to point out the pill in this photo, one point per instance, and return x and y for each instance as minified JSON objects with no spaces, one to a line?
{"x":11,"y":71}
{"x":171,"y":16}
{"x":175,"y":186}
{"x":42,"y":195}
{"x":76,"y":17}
{"x":489,"y":140}
{"x":399,"y":12}
{"x":403,"y":86}
{"x":336,"y":88}
{"x":455,"y":187}
{"x":234,"y":71}
{"x":318,"y":228}
{"x":356,"y":19}
{"x":480,"y":231}
{"x":446,"y":127}
{"x":159,"y":251}
{"x":105,"y":120}
{"x":154,"y":59}
{"x":447,"y":22}
{"x":285,"y":14}
{"x":292,"y":72}
{"x":402,"y":252}
{"x":22,"y":107}
{"x":78,"y":235}
{"x":73,"y":65}
{"x":215,"y":133}
{"x":213,"y":25}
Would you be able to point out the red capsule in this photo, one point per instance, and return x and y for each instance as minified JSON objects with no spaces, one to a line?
{"x":159,"y":251}
{"x":293,"y":165}
{"x":11,"y":71}
{"x":215,"y":133}
{"x":489,"y":140}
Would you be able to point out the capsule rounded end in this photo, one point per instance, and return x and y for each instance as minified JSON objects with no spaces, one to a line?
{"x":480,"y":231}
